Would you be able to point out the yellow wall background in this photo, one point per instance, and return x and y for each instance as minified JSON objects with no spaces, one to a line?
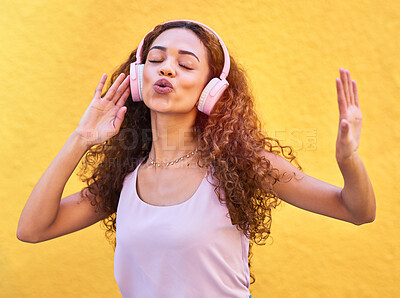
{"x":52,"y":55}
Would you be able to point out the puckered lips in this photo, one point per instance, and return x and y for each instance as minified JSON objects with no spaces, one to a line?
{"x":163,"y":86}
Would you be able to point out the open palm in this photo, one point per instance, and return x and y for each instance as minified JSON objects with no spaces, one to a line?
{"x":103,"y":118}
{"x":350,"y":120}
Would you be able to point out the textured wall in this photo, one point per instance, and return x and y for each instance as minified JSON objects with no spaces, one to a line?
{"x":53,"y":54}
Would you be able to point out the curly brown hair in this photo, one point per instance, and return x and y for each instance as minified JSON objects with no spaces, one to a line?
{"x":230,"y":140}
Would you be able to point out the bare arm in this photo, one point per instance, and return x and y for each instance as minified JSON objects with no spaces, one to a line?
{"x":43,"y":204}
{"x":357,"y":194}
{"x":354,"y":203}
{"x":45,"y":215}
{"x":75,"y":213}
{"x":323,"y":198}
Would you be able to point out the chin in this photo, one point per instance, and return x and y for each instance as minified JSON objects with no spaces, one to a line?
{"x":158,"y":104}
{"x":163,"y":104}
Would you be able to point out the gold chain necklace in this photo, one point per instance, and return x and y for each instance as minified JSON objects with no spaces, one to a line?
{"x":175,"y":161}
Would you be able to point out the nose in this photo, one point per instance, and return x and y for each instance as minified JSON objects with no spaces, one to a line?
{"x":166,"y":70}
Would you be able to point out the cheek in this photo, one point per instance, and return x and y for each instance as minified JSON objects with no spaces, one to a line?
{"x":146,"y":78}
{"x":193,"y":84}
{"x":147,"y":84}
{"x":190,"y":90}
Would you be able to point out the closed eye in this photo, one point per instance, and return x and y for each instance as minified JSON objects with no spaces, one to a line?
{"x":154,"y":61}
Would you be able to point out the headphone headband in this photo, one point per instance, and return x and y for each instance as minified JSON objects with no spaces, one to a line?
{"x":227,"y":63}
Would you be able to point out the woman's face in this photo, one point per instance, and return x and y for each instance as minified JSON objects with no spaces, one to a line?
{"x":178,"y":56}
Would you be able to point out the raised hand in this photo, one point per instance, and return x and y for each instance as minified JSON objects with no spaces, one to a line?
{"x":350,"y":120}
{"x":103,"y":118}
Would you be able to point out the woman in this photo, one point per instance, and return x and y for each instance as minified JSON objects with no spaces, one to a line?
{"x":183,"y":173}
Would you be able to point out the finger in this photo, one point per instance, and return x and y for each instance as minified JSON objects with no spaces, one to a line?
{"x":97,"y":92}
{"x":121,"y":101}
{"x":350,"y":86}
{"x":119,"y":118}
{"x":341,"y":97}
{"x":343,"y":77}
{"x":344,"y":127}
{"x":114,"y":87}
{"x":121,"y":89}
{"x":355,"y":94}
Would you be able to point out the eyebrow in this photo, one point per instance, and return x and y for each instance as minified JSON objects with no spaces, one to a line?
{"x":180,"y":51}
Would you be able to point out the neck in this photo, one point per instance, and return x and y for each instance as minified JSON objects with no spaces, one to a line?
{"x":173,"y":135}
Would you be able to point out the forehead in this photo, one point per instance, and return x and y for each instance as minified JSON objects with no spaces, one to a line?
{"x":181,"y":39}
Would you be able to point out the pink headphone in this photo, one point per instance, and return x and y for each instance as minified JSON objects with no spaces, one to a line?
{"x":211,"y":93}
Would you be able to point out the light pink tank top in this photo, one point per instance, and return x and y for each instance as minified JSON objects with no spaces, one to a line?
{"x":186,"y":250}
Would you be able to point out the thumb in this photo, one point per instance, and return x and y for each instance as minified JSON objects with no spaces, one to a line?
{"x":120,"y":117}
{"x":344,"y":126}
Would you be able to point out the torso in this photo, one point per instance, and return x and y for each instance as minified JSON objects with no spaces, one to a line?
{"x":168,"y":186}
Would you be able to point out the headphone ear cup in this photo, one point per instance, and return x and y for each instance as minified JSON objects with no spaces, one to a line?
{"x":211,"y":94}
{"x":136,"y":81}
